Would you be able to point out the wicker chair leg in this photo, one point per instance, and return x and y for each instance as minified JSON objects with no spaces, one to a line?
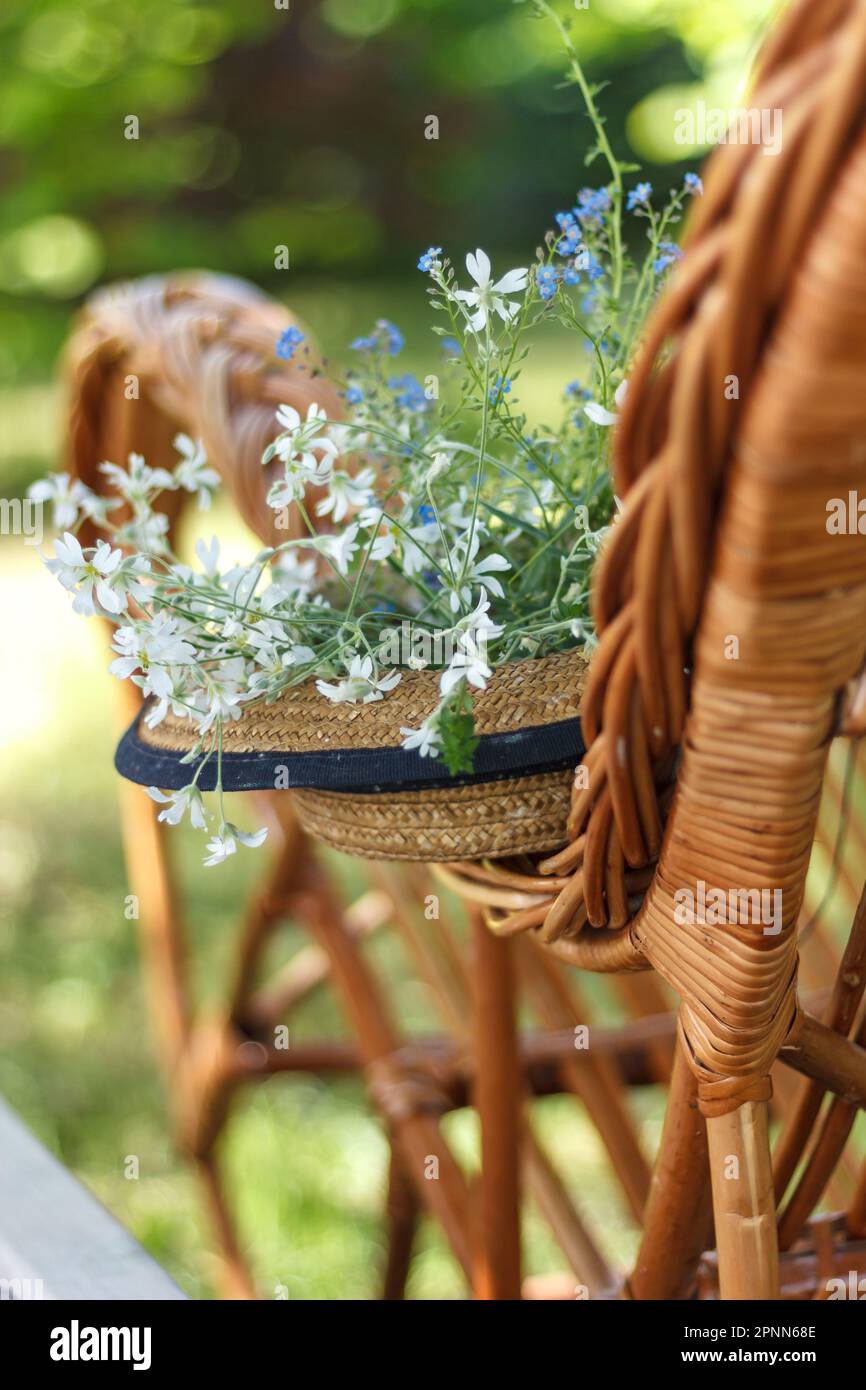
{"x":410,"y":1105}
{"x":235,"y":1278}
{"x":401,"y":1212}
{"x":162,"y":949}
{"x":159,"y":931}
{"x":446,"y":969}
{"x":593,"y":1275}
{"x":498,"y":1090}
{"x":678,"y":1222}
{"x":856,"y":1217}
{"x":743,"y":1202}
{"x":597,"y":1081}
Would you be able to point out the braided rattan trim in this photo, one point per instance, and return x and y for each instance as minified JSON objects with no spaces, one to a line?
{"x":521,"y":695}
{"x":512,"y":816}
{"x":723,"y":535}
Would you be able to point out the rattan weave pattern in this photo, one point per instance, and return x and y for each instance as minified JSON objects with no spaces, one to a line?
{"x":730,"y":617}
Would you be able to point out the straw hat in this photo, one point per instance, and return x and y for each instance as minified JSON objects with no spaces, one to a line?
{"x":359,"y":790}
{"x":202,"y":348}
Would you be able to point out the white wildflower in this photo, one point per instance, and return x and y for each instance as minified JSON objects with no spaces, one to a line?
{"x":208,"y":553}
{"x":136,"y":482}
{"x":227,"y":841}
{"x":271,"y":655}
{"x":473,"y":571}
{"x":458,"y":514}
{"x":240,"y":583}
{"x":301,"y":440}
{"x":151,"y":647}
{"x":66,"y":495}
{"x":307,"y":455}
{"x":413,"y":557}
{"x":192,"y":473}
{"x":477,"y":628}
{"x":147,"y":532}
{"x":339,"y":549}
{"x":486,"y":298}
{"x":89,"y":579}
{"x":600,"y":415}
{"x":425,"y":739}
{"x":175,"y":682}
{"x":345,"y":439}
{"x":222,"y":694}
{"x":178,"y":803}
{"x":345,"y":491}
{"x":464,"y":666}
{"x":362,"y":684}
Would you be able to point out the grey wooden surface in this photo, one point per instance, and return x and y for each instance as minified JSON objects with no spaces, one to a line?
{"x":56,"y":1240}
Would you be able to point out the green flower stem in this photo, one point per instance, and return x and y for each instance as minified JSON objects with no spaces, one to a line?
{"x":482,"y":450}
{"x":603,"y":143}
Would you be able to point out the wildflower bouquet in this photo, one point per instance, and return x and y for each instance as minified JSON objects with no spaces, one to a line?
{"x":441,"y":526}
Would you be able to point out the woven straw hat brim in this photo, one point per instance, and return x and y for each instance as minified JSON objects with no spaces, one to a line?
{"x":357,"y":789}
{"x":522,"y":753}
{"x":527,"y":721}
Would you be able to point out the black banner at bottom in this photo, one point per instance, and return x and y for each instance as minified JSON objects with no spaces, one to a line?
{"x":68,"y":1339}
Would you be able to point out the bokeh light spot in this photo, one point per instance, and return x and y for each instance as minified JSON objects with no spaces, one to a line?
{"x":56,"y":255}
{"x":359,"y":18}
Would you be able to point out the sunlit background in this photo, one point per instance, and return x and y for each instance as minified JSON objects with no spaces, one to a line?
{"x":258,"y":126}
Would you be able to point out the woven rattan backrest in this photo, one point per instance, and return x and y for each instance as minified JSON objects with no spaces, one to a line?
{"x":742,"y":422}
{"x":191,"y":352}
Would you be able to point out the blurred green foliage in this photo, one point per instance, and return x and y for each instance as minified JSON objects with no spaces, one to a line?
{"x":304,"y":126}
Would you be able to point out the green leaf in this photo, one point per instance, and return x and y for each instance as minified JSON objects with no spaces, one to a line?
{"x":457,"y":732}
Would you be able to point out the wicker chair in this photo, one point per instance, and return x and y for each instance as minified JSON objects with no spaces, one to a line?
{"x":196,"y":352}
{"x":733,"y":635}
{"x":732,"y":627}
